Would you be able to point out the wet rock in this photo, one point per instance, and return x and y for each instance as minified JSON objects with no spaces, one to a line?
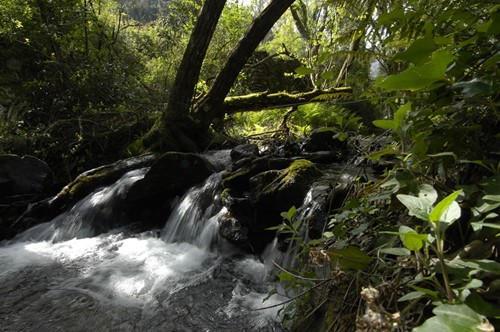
{"x":275,"y":192}
{"x":23,"y":175}
{"x":239,"y":179}
{"x":232,"y":230}
{"x":44,"y":210}
{"x":149,"y":199}
{"x":244,"y":151}
{"x":257,"y":195}
{"x":323,"y":140}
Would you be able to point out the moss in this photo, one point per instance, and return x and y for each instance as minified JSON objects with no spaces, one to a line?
{"x":300,"y":170}
{"x":86,"y":182}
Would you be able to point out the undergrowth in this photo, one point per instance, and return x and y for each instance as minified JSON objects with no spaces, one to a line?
{"x":417,"y":246}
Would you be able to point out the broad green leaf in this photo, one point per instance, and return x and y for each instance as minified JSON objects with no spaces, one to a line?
{"x":475,"y":87}
{"x":323,"y":57}
{"x":491,"y":198}
{"x":391,"y":17}
{"x":446,"y":211}
{"x":285,"y":276}
{"x":420,"y":77}
{"x":385,"y":124}
{"x":479,"y":225}
{"x":477,"y":264}
{"x":379,"y":154}
{"x":419,"y":51}
{"x":420,"y":206}
{"x":350,"y":258}
{"x":304,"y":71}
{"x":288,"y":215}
{"x":400,"y":115}
{"x":411,"y":296}
{"x":411,"y":239}
{"x":455,"y":318}
{"x":396,"y":251}
{"x":428,"y":194}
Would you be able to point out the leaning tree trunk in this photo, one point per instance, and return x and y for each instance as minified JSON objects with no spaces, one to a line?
{"x":171,"y":131}
{"x":210,"y":107}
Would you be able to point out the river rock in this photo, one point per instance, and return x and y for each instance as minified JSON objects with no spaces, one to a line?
{"x":22,"y":175}
{"x":244,"y":151}
{"x":171,"y":175}
{"x":323,"y":140}
{"x":256,"y":196}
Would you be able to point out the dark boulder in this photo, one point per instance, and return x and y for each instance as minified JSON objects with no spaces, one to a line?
{"x":149,"y":199}
{"x":244,"y":151}
{"x":323,"y":140}
{"x":44,"y":210}
{"x":25,"y":175}
{"x":255,"y":199}
{"x":23,"y":181}
{"x":239,"y":179}
{"x":275,"y":192}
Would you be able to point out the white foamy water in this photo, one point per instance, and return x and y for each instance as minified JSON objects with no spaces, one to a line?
{"x":58,"y":278}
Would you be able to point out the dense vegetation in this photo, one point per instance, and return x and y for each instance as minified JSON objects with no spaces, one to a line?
{"x":82,"y":82}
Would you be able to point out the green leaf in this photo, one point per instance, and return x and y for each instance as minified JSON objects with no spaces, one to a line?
{"x":428,"y":292}
{"x":400,"y":115}
{"x":427,"y":194}
{"x":395,"y":251}
{"x":485,"y":265}
{"x":323,"y":57}
{"x":411,"y":296}
{"x":455,"y":318}
{"x":411,"y":239}
{"x":446,"y":211}
{"x":350,"y":258}
{"x":419,"y":51}
{"x":391,"y":17}
{"x":288,"y":215}
{"x":379,"y":154}
{"x":285,"y":276}
{"x":473,"y":88}
{"x":385,"y":124}
{"x":419,"y":77}
{"x":303,"y":71}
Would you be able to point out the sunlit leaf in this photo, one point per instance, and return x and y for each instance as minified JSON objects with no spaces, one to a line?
{"x":455,"y":318}
{"x":419,"y":51}
{"x":447,"y":210}
{"x":385,"y":124}
{"x":419,"y":77}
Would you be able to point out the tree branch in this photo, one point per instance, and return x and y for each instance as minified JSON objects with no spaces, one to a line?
{"x":264,"y":100}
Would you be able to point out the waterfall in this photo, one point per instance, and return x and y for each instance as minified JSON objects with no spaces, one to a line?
{"x":195,"y":218}
{"x":77,"y":272}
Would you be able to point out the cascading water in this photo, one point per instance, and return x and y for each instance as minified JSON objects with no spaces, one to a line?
{"x":63,"y":276}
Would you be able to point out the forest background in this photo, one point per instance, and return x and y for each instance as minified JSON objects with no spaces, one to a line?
{"x":83,"y":82}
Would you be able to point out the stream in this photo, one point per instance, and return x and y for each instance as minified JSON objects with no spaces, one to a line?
{"x":65,"y":275}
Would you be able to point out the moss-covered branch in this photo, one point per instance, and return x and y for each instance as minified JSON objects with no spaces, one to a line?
{"x":264,"y":100}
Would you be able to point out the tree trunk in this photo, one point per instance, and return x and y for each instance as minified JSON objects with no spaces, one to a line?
{"x":189,"y":71}
{"x":176,"y":130}
{"x":210,"y":106}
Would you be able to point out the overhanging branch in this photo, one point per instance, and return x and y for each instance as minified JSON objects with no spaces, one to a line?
{"x":264,"y":100}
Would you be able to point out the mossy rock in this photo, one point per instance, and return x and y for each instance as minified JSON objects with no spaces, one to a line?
{"x":274,"y":193}
{"x":239,"y":180}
